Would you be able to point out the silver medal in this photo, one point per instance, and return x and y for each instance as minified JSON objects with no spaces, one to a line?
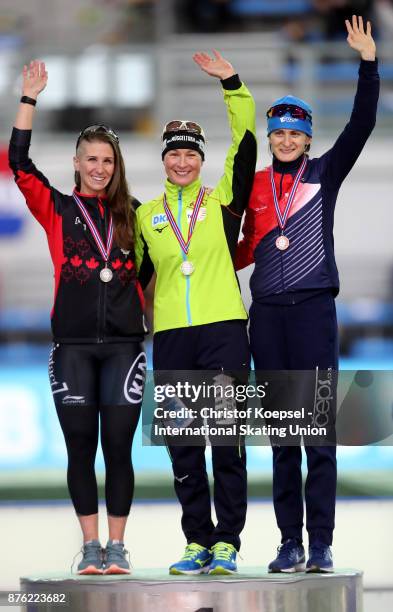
{"x":106,"y":275}
{"x":187,"y":268}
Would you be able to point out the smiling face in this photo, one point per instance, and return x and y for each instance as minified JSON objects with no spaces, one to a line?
{"x":95,"y":162}
{"x":182,"y":166}
{"x":287,"y":145}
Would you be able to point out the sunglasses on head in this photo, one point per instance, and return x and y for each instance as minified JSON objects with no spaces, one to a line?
{"x":283,"y":109}
{"x":97,"y":129}
{"x":187,"y":126}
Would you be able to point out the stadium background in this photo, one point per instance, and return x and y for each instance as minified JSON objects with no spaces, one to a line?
{"x":128,"y":63}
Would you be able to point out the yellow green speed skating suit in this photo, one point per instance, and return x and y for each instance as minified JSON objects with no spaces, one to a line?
{"x":211,"y":293}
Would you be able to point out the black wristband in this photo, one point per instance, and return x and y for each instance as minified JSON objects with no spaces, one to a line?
{"x":27,"y":100}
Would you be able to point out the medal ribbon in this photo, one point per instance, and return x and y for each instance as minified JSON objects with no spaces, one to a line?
{"x":282,"y":218}
{"x":176,"y":230}
{"x":105,"y":251}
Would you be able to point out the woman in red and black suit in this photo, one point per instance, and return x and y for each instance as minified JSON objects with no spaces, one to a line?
{"x":97,"y":362}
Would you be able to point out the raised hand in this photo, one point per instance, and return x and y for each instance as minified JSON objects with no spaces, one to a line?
{"x":359,"y":39}
{"x":35,"y":78}
{"x":217,"y":66}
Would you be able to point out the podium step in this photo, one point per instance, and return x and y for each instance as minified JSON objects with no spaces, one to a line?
{"x":251,"y":590}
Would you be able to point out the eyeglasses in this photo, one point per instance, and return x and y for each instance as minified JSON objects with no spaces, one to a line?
{"x":295,"y":111}
{"x":97,"y":129}
{"x":187,"y":126}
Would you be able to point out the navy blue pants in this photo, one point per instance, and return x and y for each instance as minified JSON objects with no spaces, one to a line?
{"x":221,"y":347}
{"x":301,"y":336}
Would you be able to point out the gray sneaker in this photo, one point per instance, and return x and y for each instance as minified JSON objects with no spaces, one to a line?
{"x":92,"y":558}
{"x":115,"y":558}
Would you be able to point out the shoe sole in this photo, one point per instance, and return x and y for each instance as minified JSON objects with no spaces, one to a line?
{"x":90,"y":570}
{"x":315,"y":569}
{"x":221,"y":571}
{"x":176,"y":572}
{"x":115,"y":569}
{"x":299,"y":567}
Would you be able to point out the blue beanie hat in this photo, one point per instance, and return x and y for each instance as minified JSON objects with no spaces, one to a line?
{"x":287,"y":121}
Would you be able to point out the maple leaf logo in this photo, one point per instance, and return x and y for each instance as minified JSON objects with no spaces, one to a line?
{"x":128,"y":265}
{"x":68,"y":244}
{"x":117,"y":264}
{"x":82,"y":275}
{"x":82,"y":247}
{"x":76,"y":261}
{"x":67,"y":273}
{"x":124,"y":277}
{"x":92,"y":264}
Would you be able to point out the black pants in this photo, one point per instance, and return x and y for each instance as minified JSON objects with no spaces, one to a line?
{"x":221,"y":346}
{"x":92,"y":385}
{"x":301,"y":336}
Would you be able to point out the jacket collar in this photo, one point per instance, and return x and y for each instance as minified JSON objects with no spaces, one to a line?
{"x":287,"y":167}
{"x":189,"y":191}
{"x":90,"y":196}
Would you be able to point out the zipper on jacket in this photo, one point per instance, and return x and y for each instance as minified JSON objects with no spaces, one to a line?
{"x":282,"y":252}
{"x":102,"y":289}
{"x":179,"y":216}
{"x":281,"y":181}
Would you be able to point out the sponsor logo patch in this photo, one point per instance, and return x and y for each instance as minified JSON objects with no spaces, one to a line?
{"x":73,"y":399}
{"x":201,"y":215}
{"x":135,"y":380}
{"x":159,"y":219}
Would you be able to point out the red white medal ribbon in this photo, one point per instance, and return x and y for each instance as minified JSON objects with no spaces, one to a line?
{"x":104,"y":250}
{"x":282,"y":218}
{"x":176,"y":230}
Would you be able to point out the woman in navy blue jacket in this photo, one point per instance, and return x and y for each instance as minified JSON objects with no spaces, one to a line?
{"x":288,"y":233}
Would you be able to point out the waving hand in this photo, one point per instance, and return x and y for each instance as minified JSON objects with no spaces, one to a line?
{"x":359,"y":39}
{"x":216,"y":66}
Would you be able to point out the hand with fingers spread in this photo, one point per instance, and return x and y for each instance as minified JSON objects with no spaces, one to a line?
{"x":361,"y":39}
{"x":217,"y":66}
{"x":35,"y":78}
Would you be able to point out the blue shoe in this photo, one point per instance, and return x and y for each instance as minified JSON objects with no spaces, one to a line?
{"x":290,"y":558}
{"x":196,"y":560}
{"x":115,"y":558}
{"x":224,"y":559}
{"x":319,"y":558}
{"x":92,"y":558}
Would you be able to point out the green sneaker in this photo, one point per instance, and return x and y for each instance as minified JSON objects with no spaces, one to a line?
{"x":92,"y":558}
{"x":115,"y":558}
{"x":224,"y":559}
{"x":196,"y":560}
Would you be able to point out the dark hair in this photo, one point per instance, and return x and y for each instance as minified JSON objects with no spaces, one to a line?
{"x":119,"y":198}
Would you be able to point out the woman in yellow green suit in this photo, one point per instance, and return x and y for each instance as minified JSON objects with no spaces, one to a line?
{"x":190,"y":234}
